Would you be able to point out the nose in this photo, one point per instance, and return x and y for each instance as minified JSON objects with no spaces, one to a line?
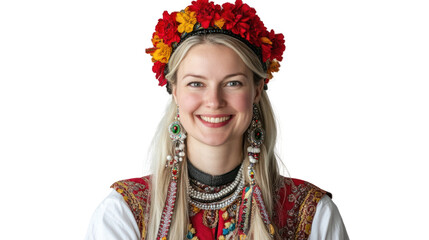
{"x":214,"y":98}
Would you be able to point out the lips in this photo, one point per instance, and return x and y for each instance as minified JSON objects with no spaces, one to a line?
{"x":215,"y":119}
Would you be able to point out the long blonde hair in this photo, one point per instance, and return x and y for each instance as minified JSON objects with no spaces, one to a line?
{"x":267,"y":170}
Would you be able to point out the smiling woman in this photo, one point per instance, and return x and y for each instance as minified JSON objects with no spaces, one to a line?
{"x":206,"y":95}
{"x":215,"y":174}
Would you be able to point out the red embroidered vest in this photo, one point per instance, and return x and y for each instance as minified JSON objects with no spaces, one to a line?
{"x":296,"y":203}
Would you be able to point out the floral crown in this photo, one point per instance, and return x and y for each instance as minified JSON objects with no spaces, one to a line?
{"x":203,"y":17}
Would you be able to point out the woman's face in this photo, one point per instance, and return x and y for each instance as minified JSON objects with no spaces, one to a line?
{"x":215,"y":93}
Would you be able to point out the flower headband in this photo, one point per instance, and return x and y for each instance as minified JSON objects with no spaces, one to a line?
{"x":203,"y":17}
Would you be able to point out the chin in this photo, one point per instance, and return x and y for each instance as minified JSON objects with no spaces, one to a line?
{"x":214,"y":142}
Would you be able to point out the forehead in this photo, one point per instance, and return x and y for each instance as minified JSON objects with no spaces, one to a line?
{"x":212,"y":60}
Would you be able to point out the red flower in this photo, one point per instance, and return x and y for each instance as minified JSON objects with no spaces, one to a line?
{"x":207,"y":12}
{"x":273,"y":45}
{"x":158,"y":68}
{"x":257,"y":29}
{"x":278,"y":46}
{"x":166,"y":28}
{"x":238,"y":18}
{"x":266,"y":52}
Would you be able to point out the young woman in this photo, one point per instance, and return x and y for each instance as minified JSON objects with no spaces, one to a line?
{"x":214,"y":171}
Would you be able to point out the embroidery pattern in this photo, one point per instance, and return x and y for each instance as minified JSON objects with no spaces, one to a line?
{"x":136,"y":194}
{"x":257,"y":195}
{"x":168,"y":211}
{"x":295,"y":213}
{"x":245,"y":212}
{"x":210,"y":218}
{"x":306,"y":213}
{"x":295,"y":206}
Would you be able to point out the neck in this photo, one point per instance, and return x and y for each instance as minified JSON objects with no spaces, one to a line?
{"x":215,"y":160}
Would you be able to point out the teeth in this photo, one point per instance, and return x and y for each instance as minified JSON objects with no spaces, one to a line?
{"x":215,"y":120}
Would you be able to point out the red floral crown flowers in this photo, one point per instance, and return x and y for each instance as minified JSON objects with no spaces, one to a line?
{"x":203,"y":17}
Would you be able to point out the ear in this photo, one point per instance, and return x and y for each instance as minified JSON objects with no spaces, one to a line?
{"x":259,"y":87}
{"x":174,"y":93}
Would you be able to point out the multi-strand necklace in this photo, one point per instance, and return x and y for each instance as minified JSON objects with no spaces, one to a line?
{"x":217,"y":200}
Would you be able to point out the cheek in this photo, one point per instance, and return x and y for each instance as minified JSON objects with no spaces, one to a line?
{"x":243,"y":102}
{"x":187,"y":103}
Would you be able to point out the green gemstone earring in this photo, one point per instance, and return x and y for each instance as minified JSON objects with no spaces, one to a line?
{"x":255,"y":137}
{"x":177,"y":136}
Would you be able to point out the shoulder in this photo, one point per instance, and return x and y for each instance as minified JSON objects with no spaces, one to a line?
{"x":135,"y":183}
{"x":287,"y":186}
{"x":290,"y":192}
{"x":112,"y":220}
{"x":327,"y":223}
{"x":295,"y":206}
{"x":136,"y":193}
{"x":133,"y":188}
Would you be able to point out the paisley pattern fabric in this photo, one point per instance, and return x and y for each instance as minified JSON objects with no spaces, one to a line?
{"x":295,"y":207}
{"x":136,"y":194}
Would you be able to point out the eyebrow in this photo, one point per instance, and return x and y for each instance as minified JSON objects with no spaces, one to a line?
{"x":226,"y":77}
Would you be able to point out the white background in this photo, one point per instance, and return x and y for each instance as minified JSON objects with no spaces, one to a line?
{"x":79,"y":105}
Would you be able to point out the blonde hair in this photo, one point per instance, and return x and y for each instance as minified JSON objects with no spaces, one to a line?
{"x":267,"y":170}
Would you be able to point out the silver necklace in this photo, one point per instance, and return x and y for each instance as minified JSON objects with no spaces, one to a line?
{"x":216,"y":205}
{"x":202,"y":196}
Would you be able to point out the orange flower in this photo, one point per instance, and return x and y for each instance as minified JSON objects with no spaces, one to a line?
{"x":162,"y":53}
{"x":187,"y":20}
{"x":266,"y":40}
{"x":219,"y":23}
{"x":156,"y":39}
{"x":274,"y":67}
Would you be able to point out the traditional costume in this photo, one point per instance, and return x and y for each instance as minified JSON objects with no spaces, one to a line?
{"x":220,"y":207}
{"x":302,"y":211}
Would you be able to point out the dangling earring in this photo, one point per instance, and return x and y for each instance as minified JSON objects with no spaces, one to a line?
{"x":255,"y":137}
{"x":178,"y":136}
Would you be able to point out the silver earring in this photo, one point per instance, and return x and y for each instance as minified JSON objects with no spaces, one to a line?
{"x":253,"y":195}
{"x":255,"y":137}
{"x":177,"y":136}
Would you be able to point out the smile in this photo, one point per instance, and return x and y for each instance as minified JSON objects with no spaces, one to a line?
{"x":215,"y":119}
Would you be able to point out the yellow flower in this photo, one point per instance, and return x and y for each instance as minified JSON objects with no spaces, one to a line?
{"x":195,"y":238}
{"x":162,"y":53}
{"x":187,"y":20}
{"x":219,"y":23}
{"x":221,"y":237}
{"x":156,"y":39}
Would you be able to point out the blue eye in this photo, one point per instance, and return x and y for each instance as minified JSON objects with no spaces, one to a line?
{"x":234,"y":84}
{"x":195,"y":84}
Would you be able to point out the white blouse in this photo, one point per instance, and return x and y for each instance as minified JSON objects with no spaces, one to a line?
{"x":113,"y":220}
